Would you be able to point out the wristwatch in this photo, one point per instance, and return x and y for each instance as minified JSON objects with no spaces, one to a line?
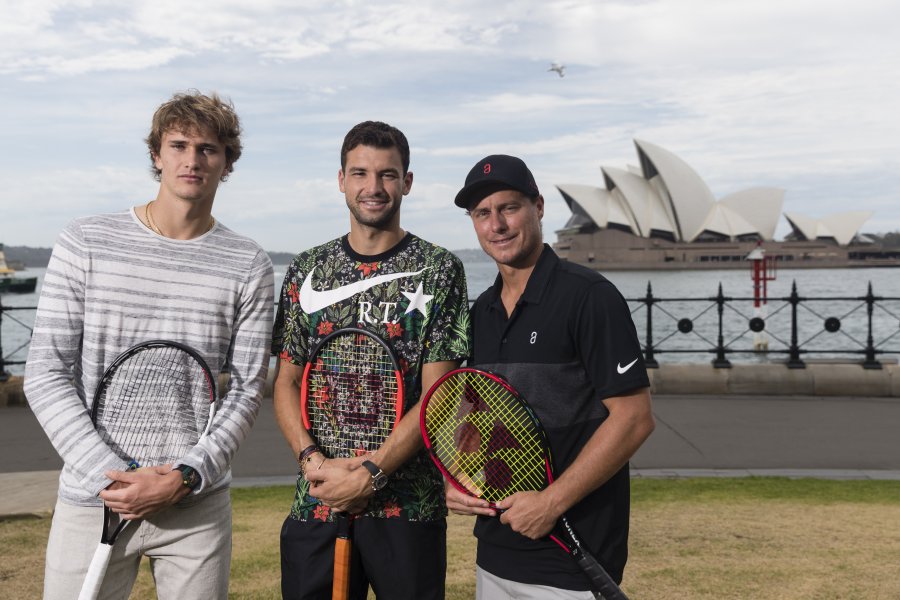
{"x":379,"y":479}
{"x":189,"y":477}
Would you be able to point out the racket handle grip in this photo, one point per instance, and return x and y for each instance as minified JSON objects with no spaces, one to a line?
{"x":90,"y":589}
{"x":341,"y":584}
{"x":601,"y":582}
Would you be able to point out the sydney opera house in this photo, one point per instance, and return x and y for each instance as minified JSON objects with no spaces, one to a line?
{"x":662,"y":214}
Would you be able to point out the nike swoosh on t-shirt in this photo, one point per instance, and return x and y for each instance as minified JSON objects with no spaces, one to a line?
{"x":312,"y":300}
{"x":622,"y":370}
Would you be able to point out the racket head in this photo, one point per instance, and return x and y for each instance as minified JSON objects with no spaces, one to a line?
{"x":351,"y":394}
{"x":154,"y":402}
{"x":483,"y":436}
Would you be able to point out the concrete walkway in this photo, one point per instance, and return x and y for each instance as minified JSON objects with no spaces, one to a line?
{"x":834,"y":437}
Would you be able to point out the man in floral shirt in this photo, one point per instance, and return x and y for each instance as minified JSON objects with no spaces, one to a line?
{"x":412,"y":294}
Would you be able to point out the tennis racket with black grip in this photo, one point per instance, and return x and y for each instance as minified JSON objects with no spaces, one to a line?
{"x":153,"y":405}
{"x":351,"y":399}
{"x":489,"y":444}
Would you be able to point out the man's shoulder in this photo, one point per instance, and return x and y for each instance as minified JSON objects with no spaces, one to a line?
{"x":485,"y":298}
{"x":95,"y":228}
{"x":114,"y":219}
{"x":581,"y":277}
{"x":431,"y":252}
{"x":331,"y":249}
{"x":230,"y":238}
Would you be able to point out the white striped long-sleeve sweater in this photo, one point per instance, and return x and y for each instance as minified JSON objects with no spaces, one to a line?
{"x":112,"y":283}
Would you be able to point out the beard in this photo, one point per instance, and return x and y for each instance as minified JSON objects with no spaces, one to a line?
{"x":377,"y":220}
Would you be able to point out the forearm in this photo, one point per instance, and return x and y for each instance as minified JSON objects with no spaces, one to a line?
{"x":231,"y":425}
{"x":403,"y":443}
{"x":628,"y":425}
{"x":406,"y":440}
{"x":287,"y":414}
{"x":249,"y":364}
{"x":54,"y":353}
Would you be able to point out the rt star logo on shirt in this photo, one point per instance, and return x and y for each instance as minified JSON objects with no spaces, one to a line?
{"x":418,"y":300}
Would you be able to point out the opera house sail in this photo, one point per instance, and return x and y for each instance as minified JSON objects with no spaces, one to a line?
{"x":662,"y":215}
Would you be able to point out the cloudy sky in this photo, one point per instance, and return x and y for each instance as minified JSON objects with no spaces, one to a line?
{"x":797,"y":94}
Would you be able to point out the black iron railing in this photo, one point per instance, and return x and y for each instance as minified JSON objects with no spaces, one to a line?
{"x":829,"y":326}
{"x":5,"y":359}
{"x":723,"y":326}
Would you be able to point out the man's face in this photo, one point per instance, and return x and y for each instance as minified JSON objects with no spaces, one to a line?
{"x":374,"y":185}
{"x":191,"y":164}
{"x":508,"y":226}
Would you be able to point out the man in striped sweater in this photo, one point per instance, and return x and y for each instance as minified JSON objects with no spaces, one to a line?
{"x":161,"y":270}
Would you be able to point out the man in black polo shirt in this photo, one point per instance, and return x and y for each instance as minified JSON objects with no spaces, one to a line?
{"x":563,"y":336}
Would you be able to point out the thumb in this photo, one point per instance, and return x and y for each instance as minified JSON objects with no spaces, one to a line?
{"x":314,"y":476}
{"x":507,"y":502}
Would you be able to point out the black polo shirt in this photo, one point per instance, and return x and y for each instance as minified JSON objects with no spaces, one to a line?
{"x":569,"y":343}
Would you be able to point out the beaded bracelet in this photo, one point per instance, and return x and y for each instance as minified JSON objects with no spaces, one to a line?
{"x":306,"y":453}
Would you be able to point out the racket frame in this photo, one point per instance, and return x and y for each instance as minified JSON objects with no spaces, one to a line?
{"x":102,"y":555}
{"x":563,"y":534}
{"x":311,"y":361}
{"x":344,"y":540}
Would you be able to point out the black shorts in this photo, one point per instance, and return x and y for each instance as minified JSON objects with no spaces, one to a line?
{"x":399,"y":559}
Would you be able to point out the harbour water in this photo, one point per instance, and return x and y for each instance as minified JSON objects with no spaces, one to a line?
{"x":818,"y":286}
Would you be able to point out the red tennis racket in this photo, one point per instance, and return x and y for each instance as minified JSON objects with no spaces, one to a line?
{"x":351,"y":399}
{"x":489,"y":444}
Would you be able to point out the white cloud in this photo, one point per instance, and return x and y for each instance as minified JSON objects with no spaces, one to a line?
{"x":795,"y":93}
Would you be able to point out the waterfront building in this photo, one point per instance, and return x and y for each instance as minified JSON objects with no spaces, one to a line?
{"x":662,"y":214}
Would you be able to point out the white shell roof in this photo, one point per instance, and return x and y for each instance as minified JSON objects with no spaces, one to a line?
{"x":647,"y":208}
{"x":601,"y":205}
{"x":761,"y":207}
{"x":690,"y":196}
{"x":593,"y":200}
{"x":840,"y":226}
{"x":727,"y":222}
{"x":665,"y":194}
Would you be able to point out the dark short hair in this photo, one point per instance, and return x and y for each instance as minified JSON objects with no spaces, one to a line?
{"x":377,"y":135}
{"x":192,"y":110}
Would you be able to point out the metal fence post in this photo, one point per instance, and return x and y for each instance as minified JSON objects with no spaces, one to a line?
{"x":870,"y":362}
{"x":720,"y":361}
{"x":649,"y":359}
{"x":794,"y":361}
{"x":3,"y":374}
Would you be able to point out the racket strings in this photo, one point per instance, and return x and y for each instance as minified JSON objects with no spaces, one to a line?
{"x":154,"y":406}
{"x":352,"y":395}
{"x":484,"y":437}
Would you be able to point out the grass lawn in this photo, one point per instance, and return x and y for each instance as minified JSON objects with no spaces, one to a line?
{"x":690,"y":538}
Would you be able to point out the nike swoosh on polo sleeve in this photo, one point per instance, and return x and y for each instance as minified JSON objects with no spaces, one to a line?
{"x":622,"y":370}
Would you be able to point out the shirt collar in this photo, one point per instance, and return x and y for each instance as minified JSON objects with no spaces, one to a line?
{"x":537,"y":281}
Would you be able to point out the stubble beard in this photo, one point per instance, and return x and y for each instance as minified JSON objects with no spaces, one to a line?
{"x":379,"y":221}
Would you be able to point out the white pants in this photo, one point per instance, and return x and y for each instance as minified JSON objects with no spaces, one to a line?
{"x":189,"y":546}
{"x":491,"y":587}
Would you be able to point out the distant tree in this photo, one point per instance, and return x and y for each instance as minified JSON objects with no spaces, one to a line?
{"x":890,"y":239}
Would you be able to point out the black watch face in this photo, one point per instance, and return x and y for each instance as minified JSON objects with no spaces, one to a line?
{"x":379,"y":481}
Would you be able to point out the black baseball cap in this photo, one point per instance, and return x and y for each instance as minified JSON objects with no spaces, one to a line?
{"x":493,"y":173}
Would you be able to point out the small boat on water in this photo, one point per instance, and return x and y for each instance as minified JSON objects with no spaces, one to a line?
{"x":9,"y":284}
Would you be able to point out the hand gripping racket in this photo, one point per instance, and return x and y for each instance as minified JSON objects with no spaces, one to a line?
{"x":154,"y":403}
{"x":351,"y":398}
{"x":489,"y":444}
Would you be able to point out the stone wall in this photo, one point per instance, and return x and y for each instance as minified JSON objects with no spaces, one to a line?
{"x":817,"y":379}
